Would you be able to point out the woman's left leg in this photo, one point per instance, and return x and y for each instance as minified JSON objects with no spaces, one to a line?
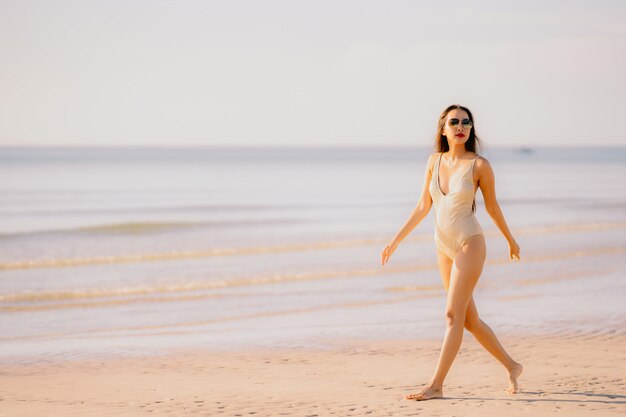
{"x":466,"y":269}
{"x":487,"y":338}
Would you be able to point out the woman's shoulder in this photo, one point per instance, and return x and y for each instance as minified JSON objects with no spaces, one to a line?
{"x":434,"y":156}
{"x":482,"y":164}
{"x":431,"y":159}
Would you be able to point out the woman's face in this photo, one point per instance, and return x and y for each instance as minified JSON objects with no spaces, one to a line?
{"x":456,"y":131}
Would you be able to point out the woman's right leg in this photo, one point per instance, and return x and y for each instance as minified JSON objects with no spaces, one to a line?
{"x":479,"y":329}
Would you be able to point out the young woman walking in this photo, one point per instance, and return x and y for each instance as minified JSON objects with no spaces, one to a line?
{"x":453,"y":175}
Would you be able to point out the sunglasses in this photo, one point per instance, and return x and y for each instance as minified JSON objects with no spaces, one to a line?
{"x":464,"y":122}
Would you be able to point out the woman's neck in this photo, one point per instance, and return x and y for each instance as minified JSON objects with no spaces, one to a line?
{"x":456,"y":152}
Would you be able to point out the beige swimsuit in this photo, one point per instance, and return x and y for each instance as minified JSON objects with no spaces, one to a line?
{"x":454,"y":220}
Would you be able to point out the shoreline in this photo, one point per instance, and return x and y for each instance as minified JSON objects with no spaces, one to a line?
{"x":566,"y":373}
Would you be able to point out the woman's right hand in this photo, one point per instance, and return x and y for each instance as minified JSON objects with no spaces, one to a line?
{"x":387,"y":251}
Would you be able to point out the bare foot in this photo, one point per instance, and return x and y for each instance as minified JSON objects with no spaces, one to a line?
{"x":427,"y":393}
{"x":514,"y":373}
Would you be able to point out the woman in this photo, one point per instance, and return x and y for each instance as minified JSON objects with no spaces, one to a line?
{"x":453,"y":175}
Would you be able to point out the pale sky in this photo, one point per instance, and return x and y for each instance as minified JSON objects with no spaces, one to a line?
{"x":181,"y":72}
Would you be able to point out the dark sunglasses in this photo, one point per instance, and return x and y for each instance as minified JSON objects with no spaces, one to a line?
{"x":464,"y":122}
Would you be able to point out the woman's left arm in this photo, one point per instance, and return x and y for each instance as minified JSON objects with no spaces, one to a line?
{"x":487,"y":184}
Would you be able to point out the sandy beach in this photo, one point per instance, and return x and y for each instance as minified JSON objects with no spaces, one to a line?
{"x":568,"y":374}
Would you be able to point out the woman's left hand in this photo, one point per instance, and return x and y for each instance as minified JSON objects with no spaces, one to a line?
{"x":514,"y":250}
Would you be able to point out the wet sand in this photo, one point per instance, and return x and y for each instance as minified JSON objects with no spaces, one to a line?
{"x":567,"y":373}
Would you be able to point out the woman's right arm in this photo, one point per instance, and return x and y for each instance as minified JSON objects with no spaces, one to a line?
{"x":417,"y":215}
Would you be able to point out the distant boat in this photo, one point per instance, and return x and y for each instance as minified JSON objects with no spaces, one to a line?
{"x":524,"y":149}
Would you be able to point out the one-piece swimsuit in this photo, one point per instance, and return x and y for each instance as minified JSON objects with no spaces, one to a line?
{"x":455,"y":222}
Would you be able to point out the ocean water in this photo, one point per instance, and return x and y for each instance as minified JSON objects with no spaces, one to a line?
{"x":141,"y":250}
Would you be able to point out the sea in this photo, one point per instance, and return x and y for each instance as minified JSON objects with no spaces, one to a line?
{"x":129,"y":251}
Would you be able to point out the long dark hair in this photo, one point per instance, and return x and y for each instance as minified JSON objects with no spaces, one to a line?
{"x":441,"y":142}
{"x":472,"y":144}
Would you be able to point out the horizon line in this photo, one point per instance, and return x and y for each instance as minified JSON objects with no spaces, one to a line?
{"x":306,"y":146}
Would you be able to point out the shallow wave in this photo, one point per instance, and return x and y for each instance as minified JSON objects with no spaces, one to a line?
{"x":142,"y":290}
{"x":99,"y":297}
{"x":154,"y":209}
{"x":254,"y":207}
{"x":272,"y":249}
{"x":147,"y":227}
{"x":179,"y":255}
{"x":178,"y":328}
